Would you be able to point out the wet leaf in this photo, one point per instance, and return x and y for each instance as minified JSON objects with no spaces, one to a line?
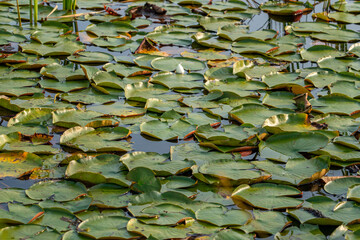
{"x":268,"y":195}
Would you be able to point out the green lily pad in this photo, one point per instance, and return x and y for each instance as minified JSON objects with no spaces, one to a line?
{"x":170,"y":64}
{"x":254,"y":113}
{"x":156,"y":162}
{"x":160,"y":232}
{"x":265,"y":222}
{"x":126,"y":71}
{"x":337,"y":35}
{"x":336,"y":103}
{"x":57,"y":190}
{"x":89,"y":139}
{"x":219,"y":216}
{"x":305,"y":231}
{"x":107,"y":195}
{"x":31,"y":116}
{"x":104,"y":168}
{"x":106,"y":227}
{"x":213,"y":23}
{"x":340,"y":186}
{"x":61,"y":72}
{"x":179,"y":81}
{"x":292,"y":144}
{"x":109,"y":29}
{"x":322,"y":210}
{"x":27,"y":231}
{"x":317,"y":52}
{"x":165,"y":131}
{"x":354,"y":193}
{"x":296,"y":171}
{"x":57,"y":218}
{"x":20,"y":214}
{"x":209,"y":40}
{"x":91,"y":57}
{"x":69,"y":118}
{"x":144,"y":180}
{"x":62,"y":48}
{"x":235,"y":32}
{"x":268,"y":195}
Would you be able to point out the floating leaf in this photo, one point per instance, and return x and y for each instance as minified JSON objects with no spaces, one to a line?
{"x":170,"y":64}
{"x":57,"y":190}
{"x":102,"y":139}
{"x":296,"y":171}
{"x":340,"y":186}
{"x":219,"y":216}
{"x":292,"y":144}
{"x":268,"y":195}
{"x":17,"y":164}
{"x":104,"y":168}
{"x":106,"y":227}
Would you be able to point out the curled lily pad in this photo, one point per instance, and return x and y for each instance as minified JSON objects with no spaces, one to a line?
{"x":295,"y":122}
{"x":17,"y":164}
{"x":104,"y":168}
{"x":209,"y":40}
{"x":31,"y":116}
{"x":354,"y":193}
{"x":341,"y":185}
{"x":69,"y":118}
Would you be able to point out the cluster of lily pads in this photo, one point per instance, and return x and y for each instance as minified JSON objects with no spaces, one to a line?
{"x":261,"y":130}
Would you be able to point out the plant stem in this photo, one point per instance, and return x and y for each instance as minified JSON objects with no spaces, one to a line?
{"x":73,"y":5}
{"x":31,"y":12}
{"x":18,"y":12}
{"x":35,"y":11}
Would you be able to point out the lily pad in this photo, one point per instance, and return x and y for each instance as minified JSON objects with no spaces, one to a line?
{"x":273,"y":196}
{"x":102,"y":139}
{"x":57,"y":190}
